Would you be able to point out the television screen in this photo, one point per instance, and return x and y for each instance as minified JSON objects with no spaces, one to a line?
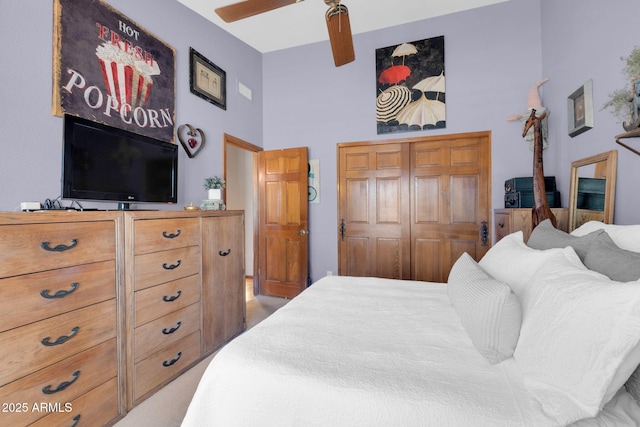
{"x":109,"y":164}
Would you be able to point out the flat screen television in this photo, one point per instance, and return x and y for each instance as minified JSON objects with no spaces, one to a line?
{"x":104,"y":163}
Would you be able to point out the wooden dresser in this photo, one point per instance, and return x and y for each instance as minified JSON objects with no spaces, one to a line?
{"x":59,"y":324}
{"x":173,"y":293}
{"x":101,"y":309}
{"x":510,"y":220}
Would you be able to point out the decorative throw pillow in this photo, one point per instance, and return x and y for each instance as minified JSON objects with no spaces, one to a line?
{"x":607,"y":258}
{"x":578,"y":331}
{"x":546,"y":236}
{"x":488,"y":310}
{"x":625,"y":236}
{"x":511,"y":261}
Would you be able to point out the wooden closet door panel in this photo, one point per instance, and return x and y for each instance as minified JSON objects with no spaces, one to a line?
{"x":374,"y":211}
{"x":354,"y":261}
{"x":450,"y":190}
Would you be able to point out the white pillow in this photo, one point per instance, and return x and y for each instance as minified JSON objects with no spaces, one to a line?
{"x":488,"y":310}
{"x":621,"y":410}
{"x":511,"y":261}
{"x":625,"y":236}
{"x":578,"y":329}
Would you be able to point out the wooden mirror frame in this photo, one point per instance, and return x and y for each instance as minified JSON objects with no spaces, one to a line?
{"x":606,"y":166}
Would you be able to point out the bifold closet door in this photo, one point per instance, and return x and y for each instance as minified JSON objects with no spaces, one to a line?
{"x":450,"y":202}
{"x":408,"y":210}
{"x":374,"y":211}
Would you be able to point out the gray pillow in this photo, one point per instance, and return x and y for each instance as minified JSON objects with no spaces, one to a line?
{"x":633,"y":385}
{"x":546,"y":236}
{"x":609,"y":259}
{"x":488,"y":310}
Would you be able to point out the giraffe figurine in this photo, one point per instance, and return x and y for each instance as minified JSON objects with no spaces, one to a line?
{"x":541,"y":209}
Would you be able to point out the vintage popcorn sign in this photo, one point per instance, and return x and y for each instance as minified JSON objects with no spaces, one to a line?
{"x":110,"y":70}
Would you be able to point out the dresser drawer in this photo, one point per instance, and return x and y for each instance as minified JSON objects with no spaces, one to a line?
{"x":154,"y":235}
{"x":96,"y":408}
{"x":153,"y":303}
{"x":155,"y":335}
{"x":62,"y":382}
{"x":26,"y":299}
{"x":502,"y":224}
{"x":25,"y":349}
{"x":165,"y":365}
{"x":40,"y":247}
{"x":161,"y":267}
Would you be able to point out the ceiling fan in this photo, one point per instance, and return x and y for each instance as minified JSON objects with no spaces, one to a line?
{"x":337,"y":17}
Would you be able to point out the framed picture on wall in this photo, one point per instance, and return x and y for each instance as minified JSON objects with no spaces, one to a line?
{"x":207,"y":80}
{"x":580,"y":109}
{"x":410,"y":86}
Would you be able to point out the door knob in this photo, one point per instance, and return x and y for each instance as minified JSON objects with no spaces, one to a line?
{"x":302,"y":232}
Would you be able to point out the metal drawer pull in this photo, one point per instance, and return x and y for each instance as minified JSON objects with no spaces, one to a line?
{"x":173,"y":298}
{"x":172,"y":266}
{"x":172,"y":330}
{"x":58,"y":248}
{"x":225,"y":253}
{"x":61,"y":293}
{"x":60,"y":340}
{"x":501,"y":225}
{"x":167,"y":364}
{"x":62,"y":386}
{"x":75,"y":420}
{"x":170,"y":235}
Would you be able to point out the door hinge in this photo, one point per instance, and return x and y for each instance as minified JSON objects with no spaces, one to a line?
{"x":484,"y":233}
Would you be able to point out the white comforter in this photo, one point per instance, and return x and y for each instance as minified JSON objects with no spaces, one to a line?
{"x":361,"y":352}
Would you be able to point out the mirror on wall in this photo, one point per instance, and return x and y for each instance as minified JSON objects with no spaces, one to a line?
{"x":592,"y":189}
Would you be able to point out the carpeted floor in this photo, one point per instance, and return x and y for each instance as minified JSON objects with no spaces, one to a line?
{"x":168,"y":406}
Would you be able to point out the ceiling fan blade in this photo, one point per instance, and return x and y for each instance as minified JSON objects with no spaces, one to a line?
{"x":340,"y":35}
{"x":247,"y":8}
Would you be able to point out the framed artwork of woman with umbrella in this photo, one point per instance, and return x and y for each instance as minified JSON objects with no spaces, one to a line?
{"x":410,"y":86}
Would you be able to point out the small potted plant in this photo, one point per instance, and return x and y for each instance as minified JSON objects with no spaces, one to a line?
{"x":214,"y":186}
{"x":625,"y":103}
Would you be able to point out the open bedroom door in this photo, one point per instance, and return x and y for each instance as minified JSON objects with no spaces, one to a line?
{"x":283,"y":263}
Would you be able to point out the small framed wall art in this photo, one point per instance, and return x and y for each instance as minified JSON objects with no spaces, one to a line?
{"x":580,"y":109}
{"x":207,"y":80}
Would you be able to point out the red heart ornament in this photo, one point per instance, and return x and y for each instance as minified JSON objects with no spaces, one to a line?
{"x":194,"y":138}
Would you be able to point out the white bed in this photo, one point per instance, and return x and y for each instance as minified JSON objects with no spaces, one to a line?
{"x":376,"y":352}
